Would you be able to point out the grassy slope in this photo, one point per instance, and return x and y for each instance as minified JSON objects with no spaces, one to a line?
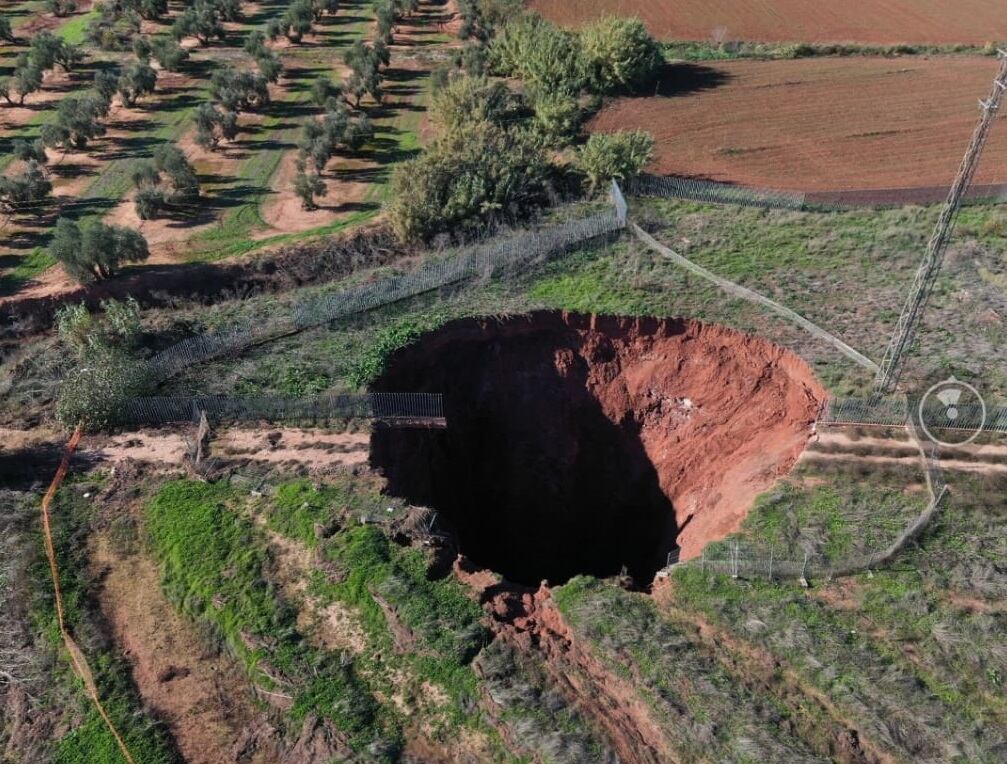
{"x":89,"y":739}
{"x":374,"y":572}
{"x":213,"y":562}
{"x":846,"y":271}
{"x":909,"y":653}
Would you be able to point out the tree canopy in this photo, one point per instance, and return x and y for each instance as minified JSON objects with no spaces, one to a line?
{"x":94,"y":250}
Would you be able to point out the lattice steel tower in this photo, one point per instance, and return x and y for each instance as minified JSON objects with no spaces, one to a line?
{"x":926,"y":275}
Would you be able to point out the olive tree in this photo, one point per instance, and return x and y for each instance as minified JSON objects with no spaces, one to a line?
{"x":94,"y":250}
{"x":26,"y":80}
{"x":307,"y":186}
{"x":24,"y":192}
{"x":166,"y":181}
{"x":136,"y":80}
{"x":214,"y":125}
{"x":6,"y":32}
{"x":168,"y":53}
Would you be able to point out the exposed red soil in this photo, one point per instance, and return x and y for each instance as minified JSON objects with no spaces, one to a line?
{"x":530,"y":621}
{"x":591,"y":442}
{"x":855,"y":21}
{"x":824,"y":125}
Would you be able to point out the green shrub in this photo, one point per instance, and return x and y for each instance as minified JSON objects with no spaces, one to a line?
{"x":92,"y":393}
{"x":619,"y":54}
{"x":118,"y":326}
{"x":481,"y":170}
{"x":618,"y":156}
{"x":558,"y":116}
{"x":541,"y":54}
{"x":470,"y":99}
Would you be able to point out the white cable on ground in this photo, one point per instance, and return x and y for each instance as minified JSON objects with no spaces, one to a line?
{"x":747,"y":294}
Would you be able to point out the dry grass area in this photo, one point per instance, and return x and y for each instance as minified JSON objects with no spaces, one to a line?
{"x":817,"y":124}
{"x":861,"y":21}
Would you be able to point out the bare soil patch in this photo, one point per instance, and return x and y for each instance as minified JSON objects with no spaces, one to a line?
{"x":817,"y":124}
{"x":283,"y":211}
{"x":933,"y":22}
{"x":315,"y":449}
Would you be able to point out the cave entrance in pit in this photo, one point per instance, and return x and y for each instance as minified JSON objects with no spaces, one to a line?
{"x":563,"y":449}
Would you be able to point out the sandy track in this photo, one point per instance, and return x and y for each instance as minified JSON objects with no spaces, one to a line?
{"x":833,"y":445}
{"x":861,"y":21}
{"x":822,"y":124}
{"x":315,"y":449}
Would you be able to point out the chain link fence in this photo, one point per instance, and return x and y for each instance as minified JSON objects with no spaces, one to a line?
{"x":390,"y":407}
{"x":480,"y":260}
{"x":671,"y":187}
{"x":740,"y":559}
{"x":894,"y":411}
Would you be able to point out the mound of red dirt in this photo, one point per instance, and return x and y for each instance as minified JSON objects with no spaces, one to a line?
{"x":582,"y":444}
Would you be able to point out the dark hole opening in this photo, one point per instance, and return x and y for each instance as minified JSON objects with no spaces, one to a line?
{"x":534,"y":479}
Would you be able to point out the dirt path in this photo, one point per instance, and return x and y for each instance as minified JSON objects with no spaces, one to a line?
{"x":316,"y":449}
{"x":204,"y":698}
{"x":834,"y":445}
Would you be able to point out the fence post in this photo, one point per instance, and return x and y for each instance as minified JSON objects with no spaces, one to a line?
{"x":704,"y":560}
{"x":734,"y":573}
{"x":202,"y":435}
{"x":771,"y":563}
{"x":804,"y":571}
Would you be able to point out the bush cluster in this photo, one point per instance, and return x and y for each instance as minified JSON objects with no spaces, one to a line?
{"x":493,"y":159}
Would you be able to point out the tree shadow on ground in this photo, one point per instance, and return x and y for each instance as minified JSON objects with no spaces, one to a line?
{"x":686,"y":79}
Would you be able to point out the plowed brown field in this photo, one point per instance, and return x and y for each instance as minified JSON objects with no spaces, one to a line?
{"x":818,"y":124}
{"x":934,"y":22}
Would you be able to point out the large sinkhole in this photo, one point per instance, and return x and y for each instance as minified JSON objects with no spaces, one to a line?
{"x":581,"y":444}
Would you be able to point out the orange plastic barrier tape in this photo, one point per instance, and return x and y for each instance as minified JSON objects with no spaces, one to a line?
{"x":80,"y":665}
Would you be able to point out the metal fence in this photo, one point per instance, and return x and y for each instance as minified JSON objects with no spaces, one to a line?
{"x":894,"y":411}
{"x":717,"y":193}
{"x":739,"y":559}
{"x":421,"y":407}
{"x":480,"y":260}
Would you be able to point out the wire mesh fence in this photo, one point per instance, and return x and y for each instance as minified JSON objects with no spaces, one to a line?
{"x":480,"y":260}
{"x":894,"y":411}
{"x":717,"y":193}
{"x":154,"y":411}
{"x":740,"y":559}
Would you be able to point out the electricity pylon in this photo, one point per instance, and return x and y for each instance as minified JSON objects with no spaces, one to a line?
{"x":926,"y":276}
